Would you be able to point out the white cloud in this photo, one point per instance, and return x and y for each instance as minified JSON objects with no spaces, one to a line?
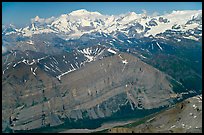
{"x":49,"y":20}
{"x":37,"y":19}
{"x":42,"y":20}
{"x":144,"y":11}
{"x":155,"y":14}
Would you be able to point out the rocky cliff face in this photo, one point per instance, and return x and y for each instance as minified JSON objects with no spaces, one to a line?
{"x":97,"y":90}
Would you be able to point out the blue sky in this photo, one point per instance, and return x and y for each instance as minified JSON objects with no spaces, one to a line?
{"x":20,"y":13}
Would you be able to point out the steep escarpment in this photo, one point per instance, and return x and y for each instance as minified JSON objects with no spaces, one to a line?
{"x":100,"y":89}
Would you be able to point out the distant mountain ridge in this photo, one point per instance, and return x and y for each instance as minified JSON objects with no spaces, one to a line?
{"x":80,"y":22}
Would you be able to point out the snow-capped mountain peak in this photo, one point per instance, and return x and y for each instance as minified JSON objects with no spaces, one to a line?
{"x":79,"y":22}
{"x":82,"y":12}
{"x":37,"y":18}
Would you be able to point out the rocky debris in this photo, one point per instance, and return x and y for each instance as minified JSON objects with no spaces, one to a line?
{"x":164,"y":20}
{"x":184,"y":117}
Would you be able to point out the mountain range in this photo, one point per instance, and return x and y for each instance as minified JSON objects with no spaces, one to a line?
{"x":83,"y":68}
{"x":80,"y":22}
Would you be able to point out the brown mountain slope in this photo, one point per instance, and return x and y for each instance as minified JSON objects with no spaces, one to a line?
{"x":184,"y":117}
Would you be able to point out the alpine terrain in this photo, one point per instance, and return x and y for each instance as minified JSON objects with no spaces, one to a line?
{"x":83,"y":69}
